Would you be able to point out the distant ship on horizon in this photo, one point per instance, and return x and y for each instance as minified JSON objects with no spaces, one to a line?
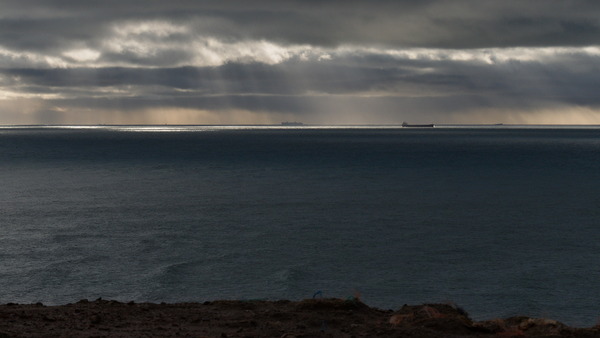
{"x":288,"y":124}
{"x":406,"y":125}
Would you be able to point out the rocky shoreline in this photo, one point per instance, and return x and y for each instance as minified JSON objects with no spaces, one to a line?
{"x":285,"y":319}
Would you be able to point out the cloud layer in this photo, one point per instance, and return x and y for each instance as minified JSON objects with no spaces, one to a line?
{"x":316,"y":61}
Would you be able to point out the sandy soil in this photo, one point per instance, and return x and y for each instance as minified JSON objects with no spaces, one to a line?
{"x":284,"y":319}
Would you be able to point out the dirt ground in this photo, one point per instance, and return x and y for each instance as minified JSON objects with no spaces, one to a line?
{"x":282,"y":319}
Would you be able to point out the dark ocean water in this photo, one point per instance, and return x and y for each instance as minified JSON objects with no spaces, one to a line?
{"x":501,"y":221}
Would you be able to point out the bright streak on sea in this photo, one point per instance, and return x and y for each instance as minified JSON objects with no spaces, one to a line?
{"x":202,"y":128}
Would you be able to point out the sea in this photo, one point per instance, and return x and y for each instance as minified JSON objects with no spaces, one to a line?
{"x":499,"y":220}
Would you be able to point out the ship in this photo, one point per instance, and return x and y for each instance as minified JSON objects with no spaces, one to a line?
{"x":406,"y":125}
{"x":292,"y":124}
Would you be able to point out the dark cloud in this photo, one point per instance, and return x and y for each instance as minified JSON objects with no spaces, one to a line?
{"x":446,"y":24}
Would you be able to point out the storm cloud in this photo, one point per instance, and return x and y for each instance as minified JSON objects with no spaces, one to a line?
{"x":314,"y":61}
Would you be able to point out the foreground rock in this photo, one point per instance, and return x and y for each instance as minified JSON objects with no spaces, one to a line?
{"x":285,"y":319}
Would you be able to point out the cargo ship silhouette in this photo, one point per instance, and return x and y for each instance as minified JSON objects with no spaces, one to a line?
{"x":406,"y":125}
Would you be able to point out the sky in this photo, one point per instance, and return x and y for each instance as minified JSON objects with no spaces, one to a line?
{"x":317,"y":62}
